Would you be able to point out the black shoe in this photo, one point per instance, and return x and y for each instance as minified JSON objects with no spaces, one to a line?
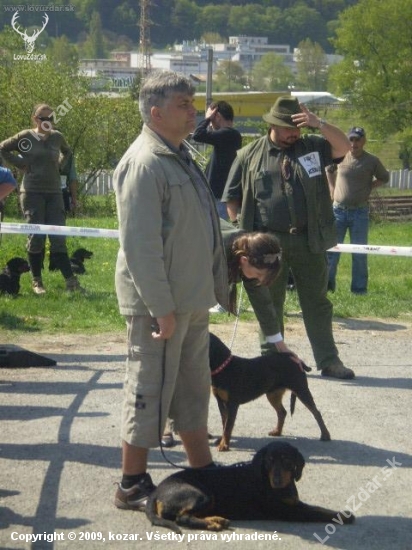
{"x":136,"y":497}
{"x":168,"y":440}
{"x":338,"y":370}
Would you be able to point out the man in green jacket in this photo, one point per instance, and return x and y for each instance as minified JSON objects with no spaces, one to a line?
{"x":170,"y":270}
{"x":278,"y":184}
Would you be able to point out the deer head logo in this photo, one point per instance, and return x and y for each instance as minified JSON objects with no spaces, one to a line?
{"x":28,"y":40}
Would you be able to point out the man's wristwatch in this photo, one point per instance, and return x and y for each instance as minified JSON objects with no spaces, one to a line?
{"x":322,"y":122}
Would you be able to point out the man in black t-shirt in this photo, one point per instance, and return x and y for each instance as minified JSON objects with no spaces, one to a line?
{"x":217,"y":130}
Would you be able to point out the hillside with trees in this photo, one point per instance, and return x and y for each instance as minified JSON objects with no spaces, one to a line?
{"x":172,"y":21}
{"x":374,"y":38}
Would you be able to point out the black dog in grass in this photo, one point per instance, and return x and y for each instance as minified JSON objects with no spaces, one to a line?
{"x":264,"y":489}
{"x":10,"y":276}
{"x":236,"y":380}
{"x":76,"y":261}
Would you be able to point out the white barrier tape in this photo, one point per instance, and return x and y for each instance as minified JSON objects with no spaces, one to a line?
{"x":38,"y":229}
{"x":373,"y":249}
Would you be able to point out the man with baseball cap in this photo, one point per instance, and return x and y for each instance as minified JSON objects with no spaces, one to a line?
{"x":351,"y":183}
{"x":278,"y":184}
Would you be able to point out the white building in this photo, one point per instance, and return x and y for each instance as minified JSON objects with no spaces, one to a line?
{"x":116,"y":72}
{"x":191,"y":58}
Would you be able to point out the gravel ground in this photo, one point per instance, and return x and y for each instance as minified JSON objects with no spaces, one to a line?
{"x":60,"y":447}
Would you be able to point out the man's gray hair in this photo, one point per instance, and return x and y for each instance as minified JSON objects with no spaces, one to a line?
{"x":160,"y":86}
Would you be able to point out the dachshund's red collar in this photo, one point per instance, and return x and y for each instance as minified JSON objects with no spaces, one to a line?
{"x":222,"y":366}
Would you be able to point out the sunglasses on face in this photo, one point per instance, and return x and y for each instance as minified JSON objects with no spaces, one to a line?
{"x":45,"y":118}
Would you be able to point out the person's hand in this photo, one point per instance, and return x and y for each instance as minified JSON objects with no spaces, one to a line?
{"x":282,"y":347}
{"x":166,"y":326}
{"x":210,"y":113}
{"x":305,"y":118}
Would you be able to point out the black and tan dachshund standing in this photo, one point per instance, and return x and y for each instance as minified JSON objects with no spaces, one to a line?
{"x":263,"y":489}
{"x":237,"y":380}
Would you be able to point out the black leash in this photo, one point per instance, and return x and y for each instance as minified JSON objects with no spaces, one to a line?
{"x":155,"y":328}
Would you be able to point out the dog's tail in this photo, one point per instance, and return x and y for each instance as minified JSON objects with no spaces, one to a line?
{"x":152,"y":513}
{"x":292,"y":403}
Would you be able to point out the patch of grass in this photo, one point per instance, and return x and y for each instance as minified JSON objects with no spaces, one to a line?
{"x":390,"y":286}
{"x":390,"y":281}
{"x":58,"y":311}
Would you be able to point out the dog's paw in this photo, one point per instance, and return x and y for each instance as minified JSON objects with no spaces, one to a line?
{"x":275,"y":433}
{"x":325,"y":437}
{"x":347,"y":516}
{"x":222,"y":446}
{"x":216,"y":523}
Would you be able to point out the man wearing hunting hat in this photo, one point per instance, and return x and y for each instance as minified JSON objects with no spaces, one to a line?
{"x":278,"y":184}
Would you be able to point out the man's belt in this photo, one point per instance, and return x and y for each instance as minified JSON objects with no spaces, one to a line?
{"x":344,"y":207}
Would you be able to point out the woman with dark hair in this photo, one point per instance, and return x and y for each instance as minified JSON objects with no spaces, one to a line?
{"x":255,"y":260}
{"x":39,"y":152}
{"x":254,"y":256}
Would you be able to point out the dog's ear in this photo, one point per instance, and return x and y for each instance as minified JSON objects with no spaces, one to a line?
{"x":299,"y":465}
{"x":259,"y":459}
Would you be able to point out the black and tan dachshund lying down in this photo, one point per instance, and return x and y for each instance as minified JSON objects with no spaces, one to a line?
{"x":237,"y":380}
{"x":263,"y":489}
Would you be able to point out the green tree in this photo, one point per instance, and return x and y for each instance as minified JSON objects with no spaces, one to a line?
{"x":94,"y":47}
{"x":185,"y":17}
{"x":312,"y":67}
{"x":230,"y":77}
{"x":62,"y":52}
{"x":271,"y":74}
{"x":125,"y":18}
{"x":330,"y":9}
{"x":212,"y":38}
{"x":98,"y":128}
{"x":246,"y":19}
{"x":214,"y":19}
{"x":300,"y":22}
{"x":375,"y":40}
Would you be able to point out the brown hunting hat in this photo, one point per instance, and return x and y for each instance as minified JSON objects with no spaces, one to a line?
{"x":282,"y":111}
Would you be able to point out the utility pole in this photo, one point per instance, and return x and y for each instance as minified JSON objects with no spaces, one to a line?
{"x":145,"y":46}
{"x":209,"y":78}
